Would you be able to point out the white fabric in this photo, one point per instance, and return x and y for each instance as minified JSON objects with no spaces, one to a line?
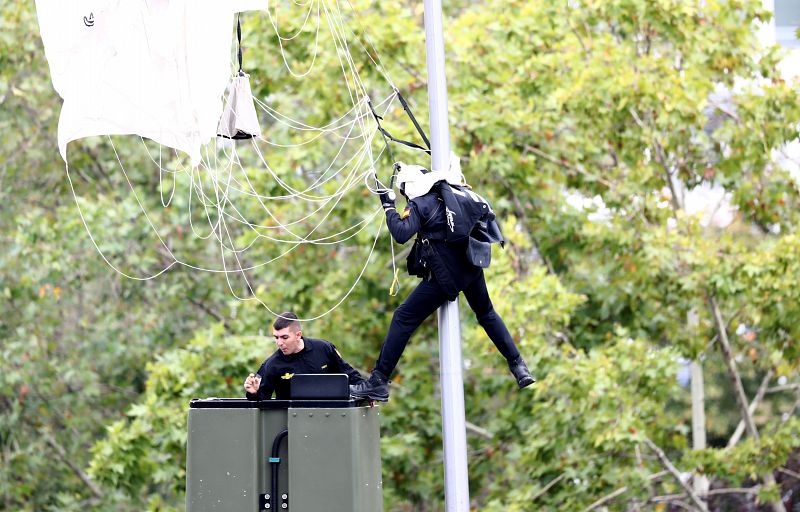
{"x":156,"y":68}
{"x":239,"y":115}
{"x":418,"y":181}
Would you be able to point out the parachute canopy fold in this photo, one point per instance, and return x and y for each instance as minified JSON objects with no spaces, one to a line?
{"x":155,"y":68}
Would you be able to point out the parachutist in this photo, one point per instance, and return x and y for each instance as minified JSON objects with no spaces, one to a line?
{"x":454,"y":228}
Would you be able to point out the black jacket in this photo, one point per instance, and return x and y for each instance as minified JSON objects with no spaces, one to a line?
{"x":447,"y":261}
{"x":317,"y":356}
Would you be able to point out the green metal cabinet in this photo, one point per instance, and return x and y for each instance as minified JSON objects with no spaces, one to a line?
{"x":330,"y":460}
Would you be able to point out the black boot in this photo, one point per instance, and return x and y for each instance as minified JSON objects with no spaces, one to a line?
{"x":521,"y":372}
{"x":376,"y":388}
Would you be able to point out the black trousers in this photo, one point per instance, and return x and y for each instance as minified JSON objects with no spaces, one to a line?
{"x":424,"y":300}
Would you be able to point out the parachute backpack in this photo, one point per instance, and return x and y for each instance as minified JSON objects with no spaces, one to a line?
{"x":469,"y":216}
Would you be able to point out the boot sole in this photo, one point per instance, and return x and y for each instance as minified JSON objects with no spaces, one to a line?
{"x":524,"y":383}
{"x":371,"y":396}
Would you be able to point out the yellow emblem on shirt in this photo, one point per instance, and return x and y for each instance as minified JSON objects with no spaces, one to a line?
{"x":323,"y":366}
{"x":287,"y":376}
{"x":406,"y":213}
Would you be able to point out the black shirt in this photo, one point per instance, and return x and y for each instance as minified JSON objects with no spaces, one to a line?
{"x":317,"y":356}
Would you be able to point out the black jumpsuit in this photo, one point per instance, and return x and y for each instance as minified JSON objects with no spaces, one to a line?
{"x":426,"y":215}
{"x":317,"y":356}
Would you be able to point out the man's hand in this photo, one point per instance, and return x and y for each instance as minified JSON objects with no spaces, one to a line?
{"x":387,"y":199}
{"x":252,"y":383}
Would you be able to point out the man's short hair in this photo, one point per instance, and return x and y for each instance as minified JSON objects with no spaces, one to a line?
{"x":286,"y":319}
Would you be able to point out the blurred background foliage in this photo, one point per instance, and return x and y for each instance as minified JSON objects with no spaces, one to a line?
{"x":591,"y":125}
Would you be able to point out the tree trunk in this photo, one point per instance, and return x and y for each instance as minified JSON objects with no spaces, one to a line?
{"x":741,"y":398}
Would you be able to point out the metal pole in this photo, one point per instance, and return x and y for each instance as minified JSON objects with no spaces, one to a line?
{"x":453,"y":419}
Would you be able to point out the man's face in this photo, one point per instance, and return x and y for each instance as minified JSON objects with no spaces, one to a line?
{"x":288,"y":341}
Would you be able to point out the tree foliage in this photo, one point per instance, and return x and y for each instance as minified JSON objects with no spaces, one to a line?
{"x":591,"y":125}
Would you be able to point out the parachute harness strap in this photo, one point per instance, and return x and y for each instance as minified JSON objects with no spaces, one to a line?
{"x":388,"y":135}
{"x":413,"y":119}
{"x":384,"y":134}
{"x":239,"y":41}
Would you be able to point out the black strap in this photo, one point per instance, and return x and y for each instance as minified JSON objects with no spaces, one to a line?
{"x":385,"y":142}
{"x":239,"y":40}
{"x":389,"y":135}
{"x":413,"y":119}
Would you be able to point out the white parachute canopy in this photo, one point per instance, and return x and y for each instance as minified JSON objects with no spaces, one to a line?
{"x":154,"y":68}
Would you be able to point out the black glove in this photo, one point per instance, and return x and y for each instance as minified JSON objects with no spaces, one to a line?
{"x":387,"y":199}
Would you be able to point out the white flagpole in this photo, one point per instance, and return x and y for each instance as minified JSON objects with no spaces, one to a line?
{"x":453,"y":419}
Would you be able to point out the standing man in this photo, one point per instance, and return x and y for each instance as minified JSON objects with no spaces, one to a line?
{"x":446,"y":270}
{"x":295,"y":354}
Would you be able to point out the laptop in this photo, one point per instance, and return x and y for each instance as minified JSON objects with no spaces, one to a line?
{"x":319,"y":386}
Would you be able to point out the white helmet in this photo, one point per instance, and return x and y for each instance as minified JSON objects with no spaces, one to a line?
{"x":415,"y":180}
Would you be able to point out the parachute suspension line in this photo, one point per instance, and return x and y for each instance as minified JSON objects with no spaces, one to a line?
{"x":340,"y":41}
{"x":294,"y":124}
{"x":303,"y":194}
{"x":139,"y":202}
{"x":344,"y":297}
{"x":343,"y":51}
{"x":384,"y":134}
{"x":207,"y":202}
{"x":252,"y":193}
{"x":378,"y":65}
{"x":303,"y":26}
{"x":219,"y":204}
{"x":254,"y":294}
{"x":381,"y":68}
{"x":395,"y":285}
{"x":94,"y":242}
{"x":281,"y":39}
{"x":176,"y":260}
{"x":339,"y":192}
{"x":227,"y":185}
{"x":222,"y":214}
{"x":320,"y":241}
{"x":338,"y":196}
{"x":161,"y":182}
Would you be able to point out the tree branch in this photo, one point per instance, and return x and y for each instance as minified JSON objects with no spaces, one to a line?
{"x":95,"y":490}
{"x":675,"y":474}
{"x":532,"y":149}
{"x":741,"y":398}
{"x":547,"y":487}
{"x":762,"y":389}
{"x":733,"y":373}
{"x":520,"y":211}
{"x":622,"y":490}
{"x":785,"y":387}
{"x":211,"y":312}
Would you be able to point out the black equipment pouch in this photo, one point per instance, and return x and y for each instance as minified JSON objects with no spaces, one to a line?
{"x":479,"y":253}
{"x":415,"y":264}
